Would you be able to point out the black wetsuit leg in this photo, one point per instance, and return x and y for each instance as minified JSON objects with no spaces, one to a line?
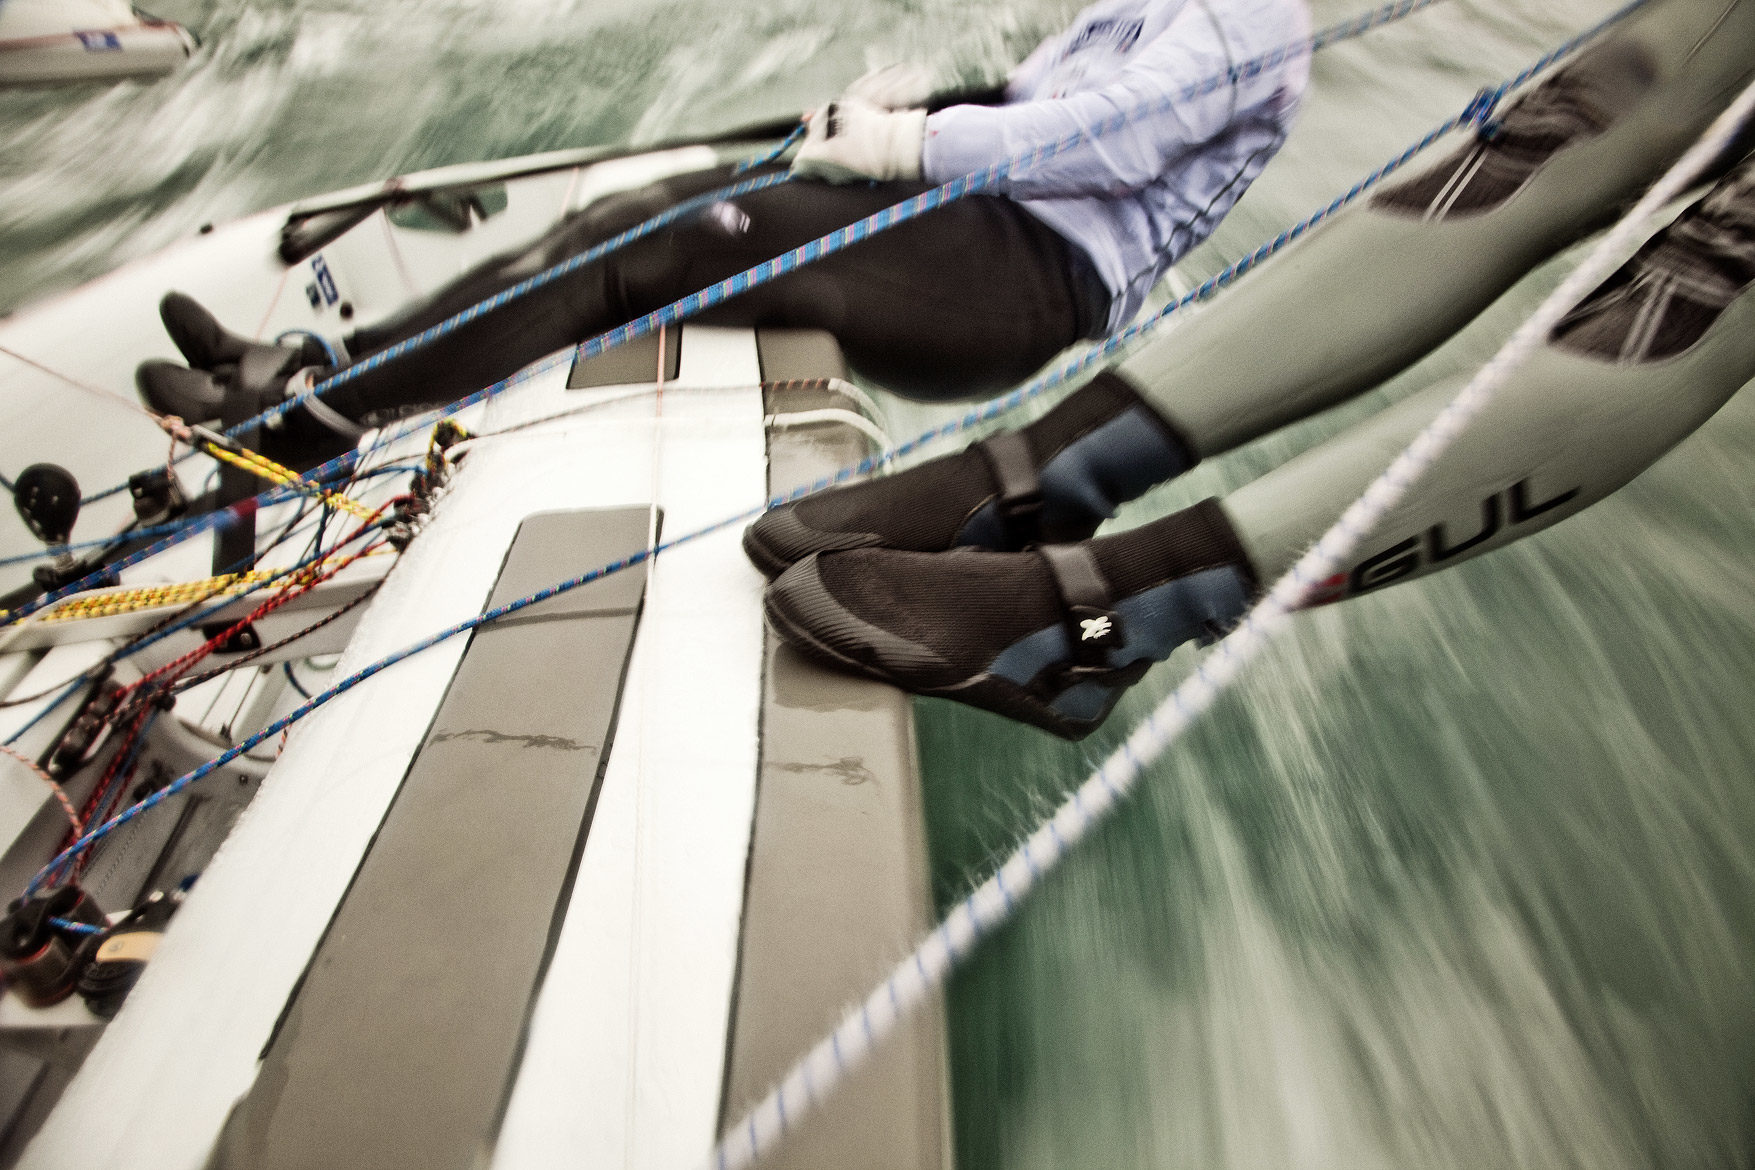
{"x":969,"y":298}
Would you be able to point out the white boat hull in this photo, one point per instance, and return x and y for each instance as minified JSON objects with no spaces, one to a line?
{"x":48,"y":42}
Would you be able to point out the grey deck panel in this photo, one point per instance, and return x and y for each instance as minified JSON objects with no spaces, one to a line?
{"x":630,"y":363}
{"x":837,"y":887}
{"x":398,"y":1048}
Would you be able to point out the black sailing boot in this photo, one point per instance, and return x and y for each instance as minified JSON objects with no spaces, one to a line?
{"x":1051,"y":636}
{"x":264,"y":377}
{"x":209,"y":346}
{"x":1055,"y":480}
{"x":194,"y":396}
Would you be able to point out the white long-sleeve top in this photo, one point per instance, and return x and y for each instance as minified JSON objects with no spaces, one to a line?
{"x":1137,"y":197}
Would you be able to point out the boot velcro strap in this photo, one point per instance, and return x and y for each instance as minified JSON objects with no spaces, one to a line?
{"x":1093,"y":628}
{"x":1019,"y":499}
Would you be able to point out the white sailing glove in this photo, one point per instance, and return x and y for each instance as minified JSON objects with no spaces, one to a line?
{"x":893,"y":87}
{"x":851,"y":140}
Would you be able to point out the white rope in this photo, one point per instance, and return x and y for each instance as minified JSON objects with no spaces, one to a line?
{"x":922,"y":974}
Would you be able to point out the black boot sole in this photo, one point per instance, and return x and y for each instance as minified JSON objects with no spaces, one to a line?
{"x":989,"y":692}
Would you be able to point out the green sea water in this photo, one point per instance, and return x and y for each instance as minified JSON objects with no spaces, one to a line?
{"x":1462,"y":874}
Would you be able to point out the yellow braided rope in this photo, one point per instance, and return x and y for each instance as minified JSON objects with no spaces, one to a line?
{"x":266,"y":468}
{"x":133,"y":600}
{"x":179,"y":593}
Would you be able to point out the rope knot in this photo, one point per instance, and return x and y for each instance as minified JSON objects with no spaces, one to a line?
{"x":176,"y":428}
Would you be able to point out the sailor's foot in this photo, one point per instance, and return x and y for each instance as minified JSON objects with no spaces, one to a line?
{"x":1050,"y":637}
{"x":191,"y":395}
{"x":1055,"y":480}
{"x":302,"y":437}
{"x":208,"y":345}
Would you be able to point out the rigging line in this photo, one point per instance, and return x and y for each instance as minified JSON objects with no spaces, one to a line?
{"x":547,"y":276}
{"x":1344,"y":30}
{"x":54,"y":786}
{"x":341,"y":465}
{"x":53,"y":551}
{"x":90,"y":837}
{"x":419,"y":340}
{"x":330,"y":618}
{"x":1474,"y":113}
{"x":925,"y":971}
{"x":109,"y":396}
{"x":1478,"y":110}
{"x":190,"y":615}
{"x":853,"y":233}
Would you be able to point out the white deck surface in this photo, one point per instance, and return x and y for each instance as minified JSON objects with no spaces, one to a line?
{"x":625,"y":1058}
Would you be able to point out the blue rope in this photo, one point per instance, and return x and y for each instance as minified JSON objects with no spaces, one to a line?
{"x":58,"y":550}
{"x":293,"y":679}
{"x":786,"y":144}
{"x":841,"y":238}
{"x":548,"y":276}
{"x":322,"y":342}
{"x":977,"y":415}
{"x":811,"y":252}
{"x":662,"y":220}
{"x":72,"y":927}
{"x":339,"y":466}
{"x":67,"y":692}
{"x":328,"y":477}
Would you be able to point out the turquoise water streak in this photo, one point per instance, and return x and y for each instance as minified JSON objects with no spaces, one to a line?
{"x":1463,"y":874}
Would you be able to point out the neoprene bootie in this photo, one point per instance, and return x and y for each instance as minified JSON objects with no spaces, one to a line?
{"x":1053,"y":481}
{"x":1050,"y":636}
{"x":200,"y":395}
{"x":194,"y":396}
{"x":208,"y":345}
{"x":265,"y":377}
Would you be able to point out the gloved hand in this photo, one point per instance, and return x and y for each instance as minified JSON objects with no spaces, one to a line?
{"x":893,"y":87}
{"x":850,"y":140}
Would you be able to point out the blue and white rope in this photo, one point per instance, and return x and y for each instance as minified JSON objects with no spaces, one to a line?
{"x":922,"y":974}
{"x":1478,"y":111}
{"x":984,"y":412}
{"x":841,"y":238}
{"x":547,"y":276}
{"x":823,"y":246}
{"x":178,"y":531}
{"x":815,"y":250}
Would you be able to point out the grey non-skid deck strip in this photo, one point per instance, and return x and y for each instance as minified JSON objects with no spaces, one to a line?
{"x":838,"y":866}
{"x":632,"y":363}
{"x":398,"y":1048}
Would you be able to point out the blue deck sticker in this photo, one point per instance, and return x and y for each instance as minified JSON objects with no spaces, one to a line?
{"x":99,"y":42}
{"x":325,"y":280}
